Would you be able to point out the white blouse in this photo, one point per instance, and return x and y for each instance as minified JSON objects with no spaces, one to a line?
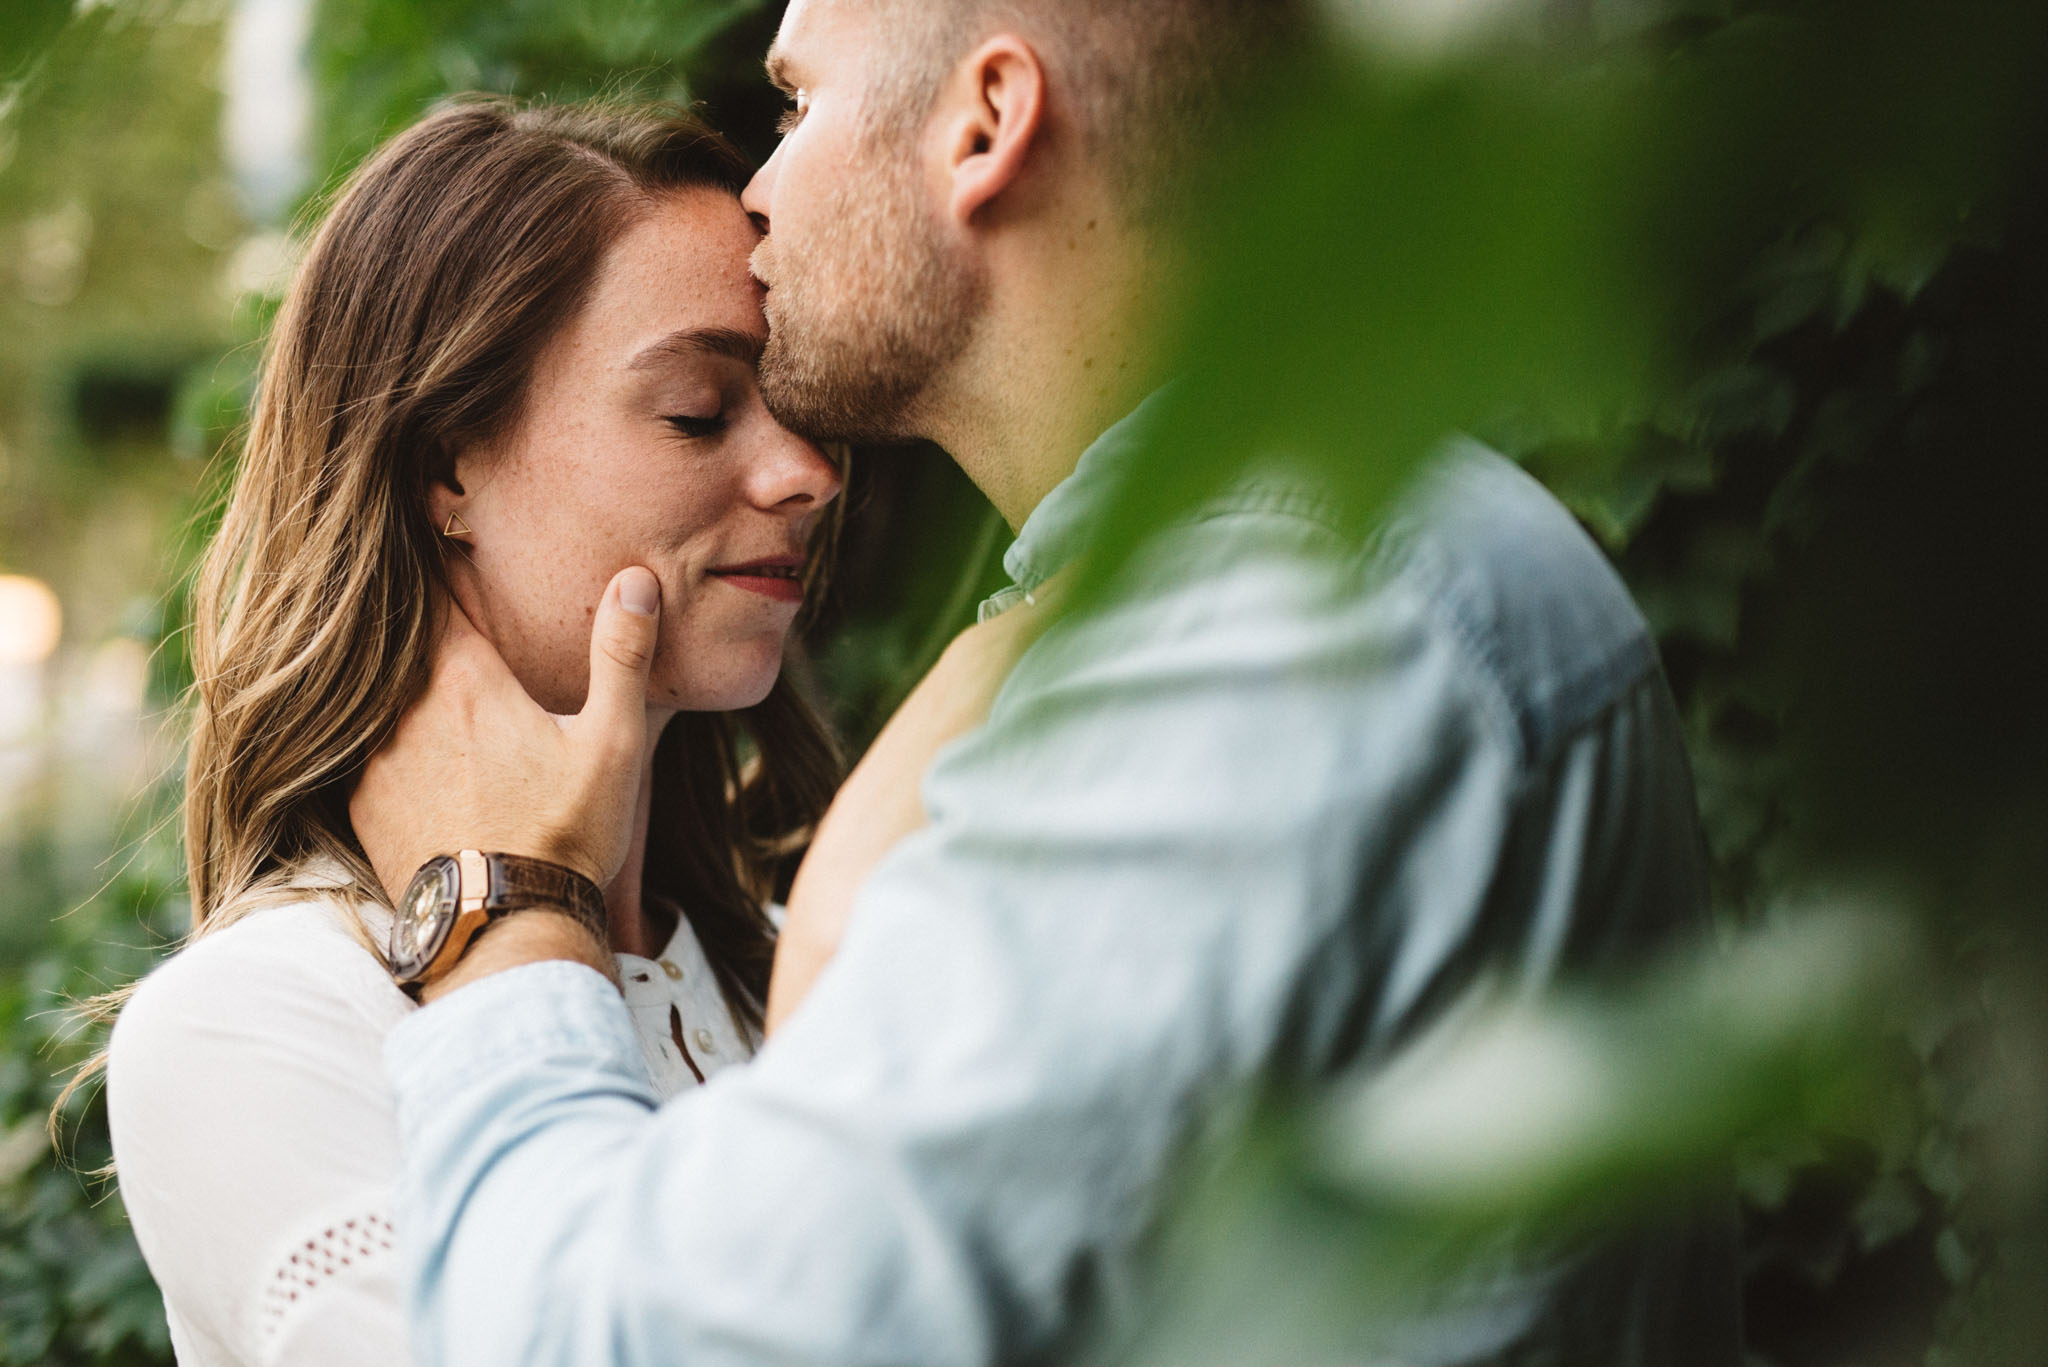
{"x":257,"y":1144}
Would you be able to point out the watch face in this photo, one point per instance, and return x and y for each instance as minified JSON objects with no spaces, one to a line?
{"x":423,"y":918}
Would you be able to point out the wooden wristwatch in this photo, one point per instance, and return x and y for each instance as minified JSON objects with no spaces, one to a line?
{"x":454,"y":896}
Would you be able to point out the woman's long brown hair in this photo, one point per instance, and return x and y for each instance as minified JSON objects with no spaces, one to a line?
{"x":409,"y":334}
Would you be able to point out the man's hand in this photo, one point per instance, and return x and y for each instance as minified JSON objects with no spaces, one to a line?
{"x":476,"y":764}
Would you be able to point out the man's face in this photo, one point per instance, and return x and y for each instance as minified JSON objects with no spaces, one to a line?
{"x":869,"y":295}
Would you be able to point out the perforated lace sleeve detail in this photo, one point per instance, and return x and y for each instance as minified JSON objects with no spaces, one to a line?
{"x":334,"y":1251}
{"x":328,"y":1284}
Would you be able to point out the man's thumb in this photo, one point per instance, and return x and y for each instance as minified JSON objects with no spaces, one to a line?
{"x":622,"y":651}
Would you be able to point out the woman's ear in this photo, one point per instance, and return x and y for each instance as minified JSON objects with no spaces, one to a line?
{"x":448,"y":500}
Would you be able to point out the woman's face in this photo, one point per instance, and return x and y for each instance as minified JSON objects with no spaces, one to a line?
{"x":643,"y":441}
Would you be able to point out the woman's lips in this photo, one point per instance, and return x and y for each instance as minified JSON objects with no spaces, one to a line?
{"x":778,"y":577}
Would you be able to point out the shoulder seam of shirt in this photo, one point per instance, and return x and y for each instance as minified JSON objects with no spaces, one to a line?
{"x":1294,"y":502}
{"x":1577,"y":703}
{"x":1386,"y":545}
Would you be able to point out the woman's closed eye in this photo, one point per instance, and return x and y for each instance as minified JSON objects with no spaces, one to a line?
{"x":691,"y":426}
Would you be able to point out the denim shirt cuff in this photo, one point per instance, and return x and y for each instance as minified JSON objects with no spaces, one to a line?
{"x":557,"y":1011}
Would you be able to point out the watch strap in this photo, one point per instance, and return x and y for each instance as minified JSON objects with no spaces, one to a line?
{"x":518,"y":883}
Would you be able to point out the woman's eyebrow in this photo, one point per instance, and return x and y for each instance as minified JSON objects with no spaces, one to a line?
{"x":686,"y":343}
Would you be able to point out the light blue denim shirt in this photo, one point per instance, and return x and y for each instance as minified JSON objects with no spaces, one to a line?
{"x":1255,"y":821}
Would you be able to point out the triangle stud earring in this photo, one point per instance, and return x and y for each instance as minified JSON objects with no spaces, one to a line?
{"x":457,"y":529}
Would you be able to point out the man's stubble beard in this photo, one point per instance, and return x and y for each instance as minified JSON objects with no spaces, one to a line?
{"x":864,"y":317}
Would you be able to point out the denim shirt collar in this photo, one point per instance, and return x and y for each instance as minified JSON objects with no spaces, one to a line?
{"x":1058,"y":527}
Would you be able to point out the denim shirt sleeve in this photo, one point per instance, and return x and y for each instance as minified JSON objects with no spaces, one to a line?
{"x":1252,"y":822}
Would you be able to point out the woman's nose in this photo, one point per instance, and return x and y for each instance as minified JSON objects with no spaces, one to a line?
{"x":794,"y":476}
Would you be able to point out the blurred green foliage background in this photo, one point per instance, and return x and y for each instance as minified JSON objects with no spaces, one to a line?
{"x":1758,"y":288}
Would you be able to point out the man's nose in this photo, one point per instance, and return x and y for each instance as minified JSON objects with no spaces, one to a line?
{"x":760,"y":191}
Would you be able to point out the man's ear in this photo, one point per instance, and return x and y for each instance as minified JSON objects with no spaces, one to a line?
{"x":998,"y":113}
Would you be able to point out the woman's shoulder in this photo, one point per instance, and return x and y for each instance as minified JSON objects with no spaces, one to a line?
{"x":254,"y":1133}
{"x":296,"y":961}
{"x":275,"y":1021}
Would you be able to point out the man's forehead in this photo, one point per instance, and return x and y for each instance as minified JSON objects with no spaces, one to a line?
{"x":813,"y":37}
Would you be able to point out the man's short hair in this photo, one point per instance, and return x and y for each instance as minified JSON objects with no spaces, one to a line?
{"x":1152,"y":84}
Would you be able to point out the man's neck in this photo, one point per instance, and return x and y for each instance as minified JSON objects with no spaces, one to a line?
{"x":1067,"y":348}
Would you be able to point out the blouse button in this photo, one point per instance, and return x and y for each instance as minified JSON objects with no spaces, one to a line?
{"x":705,"y":1042}
{"x":669,"y":968}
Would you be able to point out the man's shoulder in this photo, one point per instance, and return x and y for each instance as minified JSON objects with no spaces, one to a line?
{"x":1474,"y":550}
{"x":1505,"y":565}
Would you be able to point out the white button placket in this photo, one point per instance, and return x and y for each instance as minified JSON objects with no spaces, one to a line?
{"x":680,"y":1013}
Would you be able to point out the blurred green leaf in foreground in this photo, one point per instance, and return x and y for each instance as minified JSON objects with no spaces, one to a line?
{"x":1760,"y":290}
{"x":1518,"y":1127}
